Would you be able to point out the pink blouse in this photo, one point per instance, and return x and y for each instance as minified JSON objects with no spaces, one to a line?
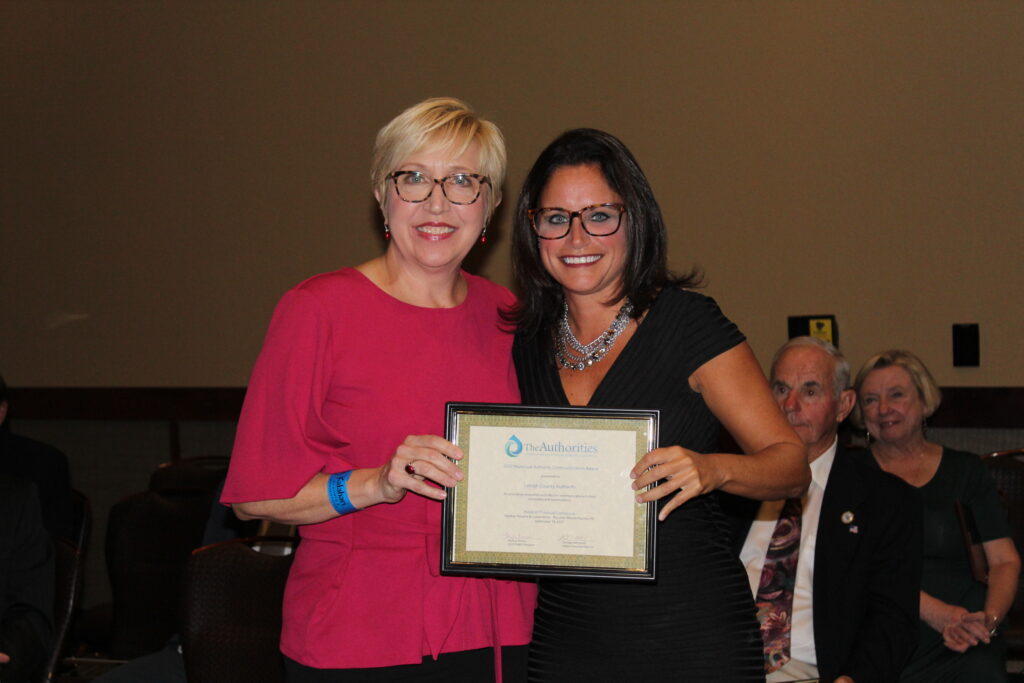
{"x":345,"y":374}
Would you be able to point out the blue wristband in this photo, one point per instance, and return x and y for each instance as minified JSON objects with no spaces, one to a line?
{"x":337,"y":491}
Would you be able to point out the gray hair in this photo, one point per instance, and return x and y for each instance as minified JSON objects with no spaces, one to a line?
{"x":841,"y":373}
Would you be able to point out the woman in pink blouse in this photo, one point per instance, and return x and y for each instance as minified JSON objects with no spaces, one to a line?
{"x":340,"y":428}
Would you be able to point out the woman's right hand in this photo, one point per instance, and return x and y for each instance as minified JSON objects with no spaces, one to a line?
{"x":427,"y":455}
{"x":419,"y":460}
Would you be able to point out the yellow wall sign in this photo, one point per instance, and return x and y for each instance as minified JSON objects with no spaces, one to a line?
{"x":822,"y":326}
{"x":822,"y":329}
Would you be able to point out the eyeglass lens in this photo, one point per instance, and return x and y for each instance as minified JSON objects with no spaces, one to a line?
{"x":460,"y":188}
{"x":597,"y":220}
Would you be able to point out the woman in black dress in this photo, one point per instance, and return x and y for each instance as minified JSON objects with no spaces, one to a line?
{"x":958,"y":636}
{"x":589,"y":259}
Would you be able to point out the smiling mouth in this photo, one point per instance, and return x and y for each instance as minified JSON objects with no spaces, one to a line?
{"x":580,"y":260}
{"x":430,"y":229}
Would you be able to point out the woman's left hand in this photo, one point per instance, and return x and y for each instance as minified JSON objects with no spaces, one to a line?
{"x":966,"y":632}
{"x":686,"y":474}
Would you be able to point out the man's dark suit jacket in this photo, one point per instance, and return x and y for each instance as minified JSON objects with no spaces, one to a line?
{"x":867,"y":569}
{"x":47,"y":468}
{"x":26,"y":582}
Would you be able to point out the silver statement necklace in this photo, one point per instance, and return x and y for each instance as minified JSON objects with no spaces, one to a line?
{"x":571,"y":354}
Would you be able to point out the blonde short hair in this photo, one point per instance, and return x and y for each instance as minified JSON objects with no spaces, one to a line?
{"x":927,"y":389}
{"x":439,"y":123}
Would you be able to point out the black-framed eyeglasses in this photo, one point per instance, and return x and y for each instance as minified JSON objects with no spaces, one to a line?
{"x":458,"y":188}
{"x":599,"y":220}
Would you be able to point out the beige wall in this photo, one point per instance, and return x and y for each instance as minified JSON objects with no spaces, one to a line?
{"x":167,"y":169}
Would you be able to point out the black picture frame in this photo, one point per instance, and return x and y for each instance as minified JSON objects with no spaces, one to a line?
{"x":496,"y":488}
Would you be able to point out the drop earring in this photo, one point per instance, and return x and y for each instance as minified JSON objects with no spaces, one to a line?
{"x":387,"y":232}
{"x":483,"y":235}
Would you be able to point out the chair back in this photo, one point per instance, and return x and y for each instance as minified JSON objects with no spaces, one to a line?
{"x":1007,"y":469}
{"x":150,"y":536}
{"x":69,"y":561}
{"x":81,"y":513}
{"x":205,"y":473}
{"x":976,"y":558}
{"x":230,"y":611}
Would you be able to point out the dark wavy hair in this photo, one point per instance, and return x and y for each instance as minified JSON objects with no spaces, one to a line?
{"x":646,"y":270}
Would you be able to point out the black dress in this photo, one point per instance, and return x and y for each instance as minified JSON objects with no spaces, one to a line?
{"x":697,"y":621}
{"x":946,"y":573}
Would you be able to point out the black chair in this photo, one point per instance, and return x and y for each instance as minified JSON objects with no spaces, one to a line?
{"x":68,"y":574}
{"x":69,"y":556}
{"x":1007,"y":469}
{"x":81,"y":513}
{"x":204,"y":473}
{"x":150,"y":536}
{"x":231,"y":610}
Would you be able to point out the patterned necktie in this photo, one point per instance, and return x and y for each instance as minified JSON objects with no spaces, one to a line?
{"x":775,"y":591}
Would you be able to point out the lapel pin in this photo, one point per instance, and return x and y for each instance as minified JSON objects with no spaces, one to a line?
{"x":853,"y":529}
{"x":846,"y":517}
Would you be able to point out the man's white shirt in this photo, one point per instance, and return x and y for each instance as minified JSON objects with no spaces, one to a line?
{"x":756,"y":547}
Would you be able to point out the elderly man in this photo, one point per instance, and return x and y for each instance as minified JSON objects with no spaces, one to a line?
{"x":835,"y":573}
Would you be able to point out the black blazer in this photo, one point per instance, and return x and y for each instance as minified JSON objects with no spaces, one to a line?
{"x":867,"y":569}
{"x":47,"y":468}
{"x":26,"y":582}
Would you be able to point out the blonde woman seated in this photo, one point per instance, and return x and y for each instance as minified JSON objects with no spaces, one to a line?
{"x":959,"y":629}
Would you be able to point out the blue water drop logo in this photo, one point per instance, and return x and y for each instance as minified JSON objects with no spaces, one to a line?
{"x":513,"y":447}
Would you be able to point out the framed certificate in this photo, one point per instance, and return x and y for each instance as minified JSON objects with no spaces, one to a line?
{"x":547,"y":492}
